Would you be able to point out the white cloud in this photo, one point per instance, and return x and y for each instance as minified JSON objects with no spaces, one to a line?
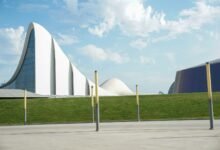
{"x":194,"y":18}
{"x":170,"y":56}
{"x":190,"y":19}
{"x":139,"y":43}
{"x":130,"y":15}
{"x":215,"y":35}
{"x":65,"y":39}
{"x":103,"y":27}
{"x":211,"y":1}
{"x":100,"y":54}
{"x":11,"y":45}
{"x":147,"y":60}
{"x":135,"y":18}
{"x":71,"y":5}
{"x":11,"y":40}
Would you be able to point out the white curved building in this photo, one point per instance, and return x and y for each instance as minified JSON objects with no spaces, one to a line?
{"x":44,"y":68}
{"x":115,"y":85}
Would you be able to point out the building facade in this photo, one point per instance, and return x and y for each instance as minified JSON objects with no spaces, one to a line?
{"x":45,"y":69}
{"x":194,"y":79}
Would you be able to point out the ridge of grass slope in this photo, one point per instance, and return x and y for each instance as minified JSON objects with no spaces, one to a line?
{"x":121,"y":108}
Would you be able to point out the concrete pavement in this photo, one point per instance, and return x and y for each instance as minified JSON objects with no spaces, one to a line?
{"x":151,"y":135}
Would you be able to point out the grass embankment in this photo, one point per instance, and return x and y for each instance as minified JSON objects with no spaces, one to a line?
{"x":153,"y":107}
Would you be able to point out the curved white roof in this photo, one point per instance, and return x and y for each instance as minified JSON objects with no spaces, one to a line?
{"x":115,"y":85}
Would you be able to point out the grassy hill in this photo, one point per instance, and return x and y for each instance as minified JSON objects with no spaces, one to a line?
{"x":123,"y":108}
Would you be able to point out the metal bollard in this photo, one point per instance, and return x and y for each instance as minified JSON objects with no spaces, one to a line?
{"x":97,"y":101}
{"x":25,"y":107}
{"x":209,"y":86}
{"x":92,"y":104}
{"x":138,"y":104}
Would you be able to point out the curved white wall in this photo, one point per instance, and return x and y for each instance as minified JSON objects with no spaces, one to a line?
{"x":54,"y":73}
{"x":62,"y":71}
{"x":79,"y":82}
{"x":42,"y":60}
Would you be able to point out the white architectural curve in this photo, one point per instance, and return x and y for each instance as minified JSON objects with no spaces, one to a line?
{"x":44,"y":69}
{"x":115,"y":85}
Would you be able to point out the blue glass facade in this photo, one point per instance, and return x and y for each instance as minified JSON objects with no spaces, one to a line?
{"x":194,"y":80}
{"x":26,"y":76}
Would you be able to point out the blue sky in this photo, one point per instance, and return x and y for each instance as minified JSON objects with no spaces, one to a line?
{"x":138,"y":41}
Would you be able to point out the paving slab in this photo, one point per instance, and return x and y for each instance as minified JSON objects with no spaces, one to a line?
{"x":149,"y":135}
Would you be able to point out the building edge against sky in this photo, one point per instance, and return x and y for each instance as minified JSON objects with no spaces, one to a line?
{"x":194,"y":79}
{"x":44,"y":69}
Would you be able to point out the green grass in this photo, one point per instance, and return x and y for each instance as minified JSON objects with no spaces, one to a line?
{"x":123,"y":108}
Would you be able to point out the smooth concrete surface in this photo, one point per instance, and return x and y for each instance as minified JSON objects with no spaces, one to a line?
{"x":153,"y":135}
{"x":17,"y":93}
